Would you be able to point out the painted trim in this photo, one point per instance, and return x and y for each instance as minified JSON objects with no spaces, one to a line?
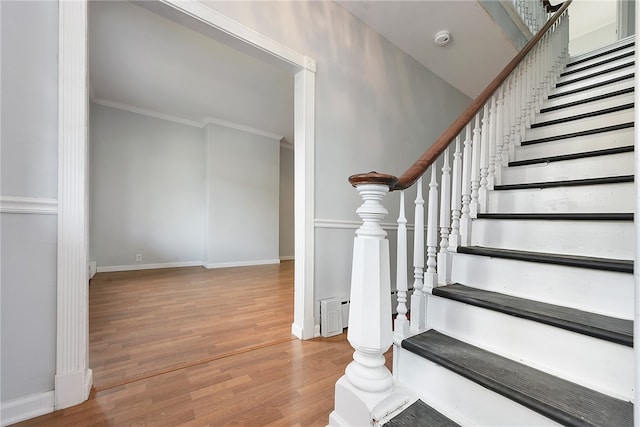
{"x":240,"y":263}
{"x":354,"y":225}
{"x":112,"y":268}
{"x":287,"y":258}
{"x":636,"y":274}
{"x":28,"y":205}
{"x":23,"y":408}
{"x":237,"y":126}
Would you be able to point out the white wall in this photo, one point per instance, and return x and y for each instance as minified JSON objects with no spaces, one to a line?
{"x":376,"y":109}
{"x":593,"y":24}
{"x":147,"y":189}
{"x":244,"y":179}
{"x":29,"y":33}
{"x":286,"y":204}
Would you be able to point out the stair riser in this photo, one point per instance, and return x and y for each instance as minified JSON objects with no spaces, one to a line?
{"x":589,"y":167}
{"x":608,"y":239}
{"x":623,"y":62}
{"x":585,"y":108}
{"x":609,"y":119}
{"x":617,"y":138}
{"x":443,"y":390}
{"x":605,"y":57}
{"x":591,"y":81}
{"x":604,"y":292}
{"x":589,"y":198}
{"x":588,"y":93}
{"x":547,"y":348}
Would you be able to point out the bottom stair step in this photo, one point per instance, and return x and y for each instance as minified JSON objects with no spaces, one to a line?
{"x":560,"y":400}
{"x":419,"y":414}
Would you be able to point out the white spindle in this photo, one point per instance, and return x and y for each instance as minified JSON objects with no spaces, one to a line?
{"x":492,"y":139}
{"x":475,"y":168}
{"x":431,"y":274}
{"x":467,"y":160}
{"x":445,"y":220}
{"x":484,"y":160}
{"x":401,"y":324}
{"x":456,"y":197}
{"x":418,"y":299}
{"x":499,"y":135}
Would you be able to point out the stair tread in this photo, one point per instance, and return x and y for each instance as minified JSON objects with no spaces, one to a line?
{"x":595,"y":325}
{"x":592,"y":86}
{"x":584,"y":115}
{"x":599,"y":73}
{"x":573,"y":156}
{"x":565,"y":402}
{"x":603,"y":52}
{"x":597,"y":64}
{"x":587,"y":100}
{"x":566,"y":183}
{"x":610,"y":264}
{"x":419,"y":414}
{"x":588,"y":216}
{"x":577,"y":134}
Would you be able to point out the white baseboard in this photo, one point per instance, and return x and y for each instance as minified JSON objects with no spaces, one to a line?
{"x":287,"y":258}
{"x":108,"y":269}
{"x":24,"y":408}
{"x":240,"y":263}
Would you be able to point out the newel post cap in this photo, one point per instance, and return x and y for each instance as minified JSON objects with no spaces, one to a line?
{"x":373,"y":178}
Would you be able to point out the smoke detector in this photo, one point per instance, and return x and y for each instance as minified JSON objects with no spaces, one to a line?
{"x":442,"y":38}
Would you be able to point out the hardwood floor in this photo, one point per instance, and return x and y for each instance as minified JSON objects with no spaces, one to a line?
{"x":197,"y":347}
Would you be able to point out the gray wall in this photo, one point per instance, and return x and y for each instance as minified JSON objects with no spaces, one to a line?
{"x":244,"y":202}
{"x":147,"y":189}
{"x":286,"y":204}
{"x":29,"y":169}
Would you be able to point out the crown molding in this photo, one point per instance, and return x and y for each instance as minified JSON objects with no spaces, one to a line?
{"x":28,"y":205}
{"x":238,"y":126}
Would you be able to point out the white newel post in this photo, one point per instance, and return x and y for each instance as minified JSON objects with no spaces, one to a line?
{"x":366,"y":393}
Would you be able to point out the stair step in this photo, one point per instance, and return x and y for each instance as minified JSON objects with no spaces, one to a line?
{"x":592,"y":131}
{"x":607,"y":328}
{"x":618,"y":197}
{"x":597,"y":263}
{"x":589,"y":93}
{"x":621,"y":45}
{"x":564,"y":91}
{"x":603,"y":216}
{"x":624,"y":91}
{"x":420,"y":414}
{"x":560,"y":400}
{"x":573,"y":156}
{"x":613,"y":109}
{"x":580,"y":126}
{"x":626,"y":96}
{"x":584,"y":167}
{"x":620,"y":55}
{"x":593,"y":73}
{"x":566,"y":183}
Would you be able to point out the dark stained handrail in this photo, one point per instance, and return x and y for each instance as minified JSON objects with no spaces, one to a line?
{"x":416,"y":170}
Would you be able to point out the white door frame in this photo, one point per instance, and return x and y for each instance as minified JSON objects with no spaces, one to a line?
{"x":73,"y":378}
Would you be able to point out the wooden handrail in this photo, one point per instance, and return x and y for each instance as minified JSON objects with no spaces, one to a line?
{"x":416,"y":170}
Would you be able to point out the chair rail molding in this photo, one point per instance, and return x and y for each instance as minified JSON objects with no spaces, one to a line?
{"x":28,"y":205}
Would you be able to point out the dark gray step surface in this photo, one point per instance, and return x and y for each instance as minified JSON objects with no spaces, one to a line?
{"x":560,"y":400}
{"x":566,"y":183}
{"x":595,"y":263}
{"x":586,"y":216}
{"x":577,"y":69}
{"x":583,"y":115}
{"x":578,"y":134}
{"x":592,"y":86}
{"x":588,"y":100}
{"x":619,"y":331}
{"x":574,"y":62}
{"x":596,"y":74}
{"x":419,"y":414}
{"x":573,"y":156}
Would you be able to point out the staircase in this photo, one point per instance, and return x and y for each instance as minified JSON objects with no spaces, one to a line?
{"x":535,"y":324}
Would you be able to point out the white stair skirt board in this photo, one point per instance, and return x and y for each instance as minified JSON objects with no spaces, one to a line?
{"x":604,"y":198}
{"x":599,"y":141}
{"x":543,"y":347}
{"x":605,"y":239}
{"x":596,"y":79}
{"x":588,"y":167}
{"x":609,"y":119}
{"x":24,"y":408}
{"x":589,"y":107}
{"x":460,"y":399}
{"x":621,"y":62}
{"x":588,"y":93}
{"x":608,"y":293}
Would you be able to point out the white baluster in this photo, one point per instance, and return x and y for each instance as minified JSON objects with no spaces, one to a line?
{"x":499,"y":135}
{"x":484,"y":160}
{"x":431,"y":274}
{"x":456,"y":198}
{"x":467,"y":160}
{"x":401,"y":324}
{"x":443,"y":257}
{"x":418,"y":299}
{"x":475,"y":169}
{"x":491,"y":141}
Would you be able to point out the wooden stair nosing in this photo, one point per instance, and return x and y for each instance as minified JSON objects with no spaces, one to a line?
{"x":592,"y":86}
{"x":584,"y":115}
{"x":577,"y":134}
{"x":588,"y":100}
{"x":597,"y":64}
{"x":558,"y":399}
{"x":573,"y":156}
{"x":420,"y":414}
{"x":599,"y":73}
{"x":619,"y":331}
{"x":594,"y":263}
{"x":566,"y":183}
{"x":600,"y":54}
{"x":613,"y":216}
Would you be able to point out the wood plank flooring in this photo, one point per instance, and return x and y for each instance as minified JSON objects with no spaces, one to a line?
{"x":197,"y":347}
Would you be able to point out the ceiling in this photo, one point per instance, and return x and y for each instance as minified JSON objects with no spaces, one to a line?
{"x":145,"y":62}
